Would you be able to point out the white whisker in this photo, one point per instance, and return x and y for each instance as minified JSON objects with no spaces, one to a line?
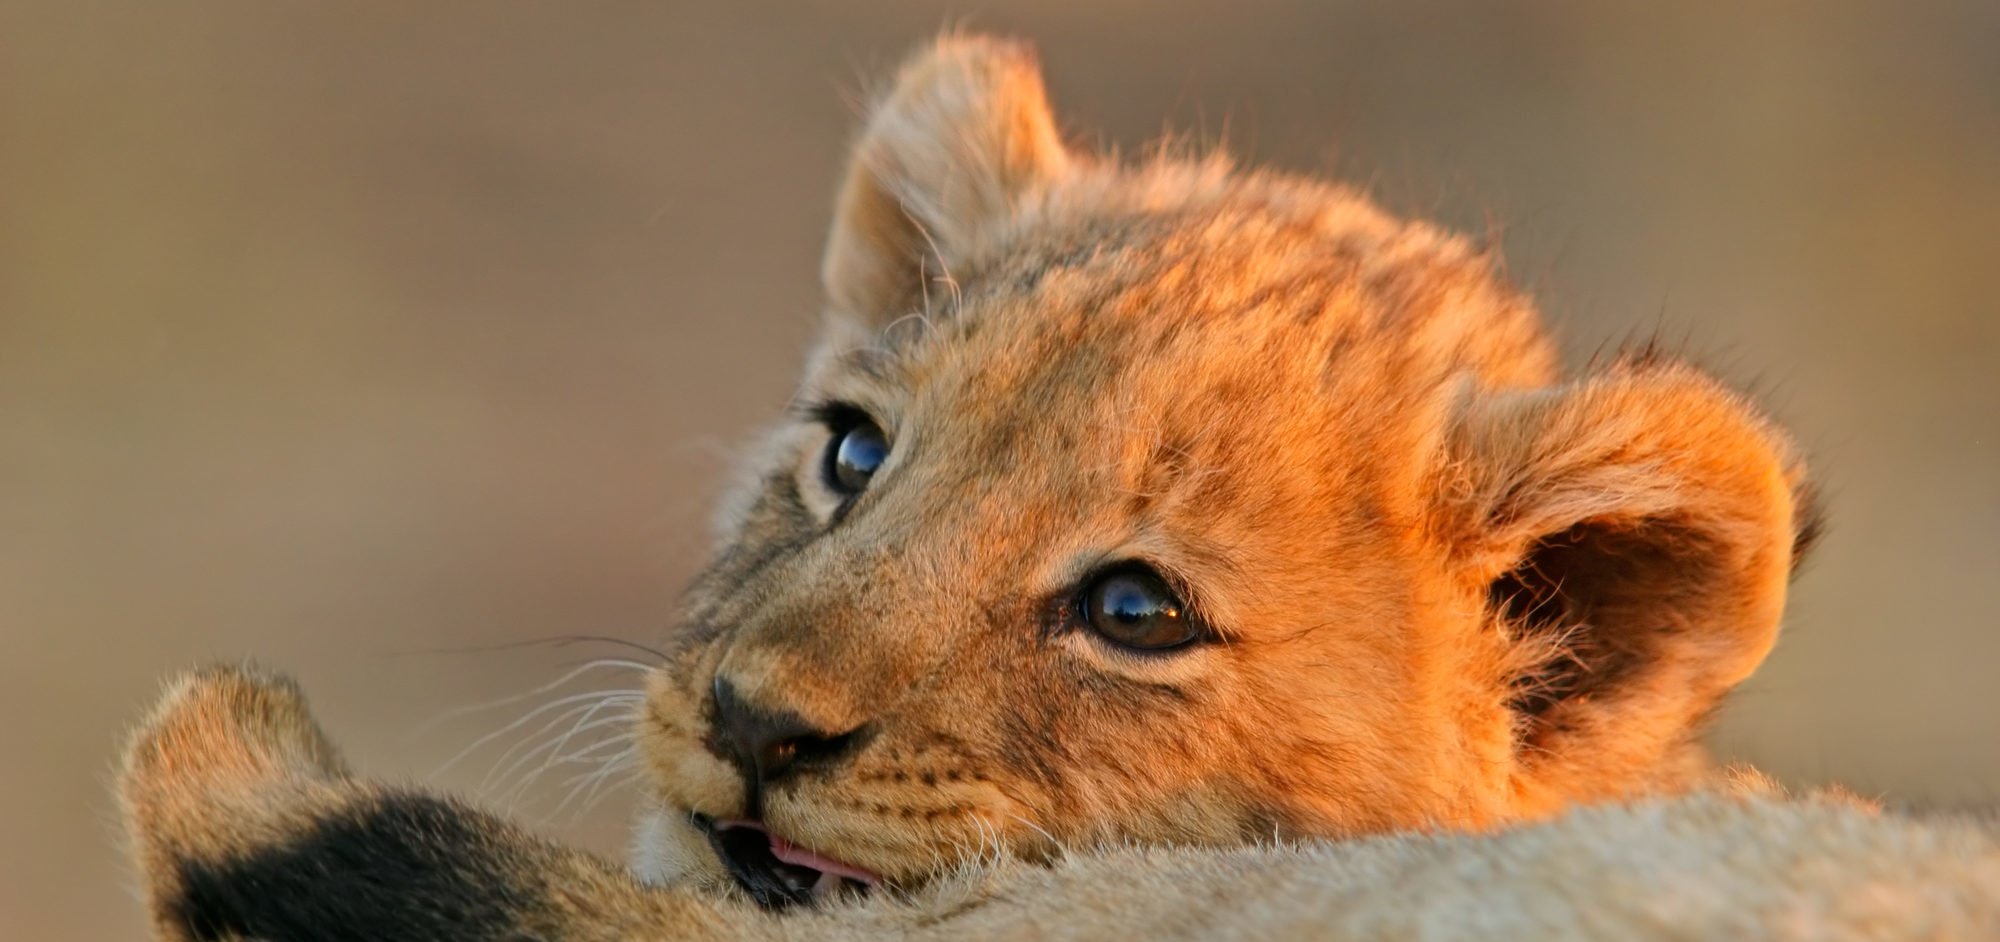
{"x":581,"y":670}
{"x":553,"y":748}
{"x":533,"y":744}
{"x":1038,"y":829}
{"x":510,"y":727}
{"x":592,"y":781}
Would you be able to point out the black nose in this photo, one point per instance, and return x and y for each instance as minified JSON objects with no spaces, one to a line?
{"x":772,"y":743}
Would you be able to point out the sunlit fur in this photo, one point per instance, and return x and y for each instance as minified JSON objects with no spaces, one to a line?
{"x":1451,"y":588}
{"x":1450,"y":591}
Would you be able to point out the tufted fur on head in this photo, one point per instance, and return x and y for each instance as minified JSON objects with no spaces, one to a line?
{"x":247,"y":827}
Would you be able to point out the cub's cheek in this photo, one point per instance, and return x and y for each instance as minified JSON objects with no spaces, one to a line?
{"x":667,"y":850}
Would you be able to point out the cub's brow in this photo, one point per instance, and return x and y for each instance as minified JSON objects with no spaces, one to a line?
{"x":857,"y":375}
{"x":878,"y":365}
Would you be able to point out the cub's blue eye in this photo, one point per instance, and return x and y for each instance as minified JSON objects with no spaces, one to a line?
{"x":853,"y":456}
{"x":1133,"y":606}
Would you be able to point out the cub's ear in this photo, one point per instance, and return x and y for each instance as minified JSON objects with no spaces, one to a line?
{"x":1633,"y":534}
{"x":222,"y":767}
{"x":961,"y":139}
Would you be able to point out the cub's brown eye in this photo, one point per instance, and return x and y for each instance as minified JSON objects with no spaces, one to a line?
{"x":854,"y":455}
{"x":1133,"y":606}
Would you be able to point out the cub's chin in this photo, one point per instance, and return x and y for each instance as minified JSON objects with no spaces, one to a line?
{"x":668,"y":849}
{"x":679,"y":847}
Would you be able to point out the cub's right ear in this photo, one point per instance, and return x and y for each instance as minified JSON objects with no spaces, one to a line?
{"x":1632,"y":534}
{"x":963,"y":137}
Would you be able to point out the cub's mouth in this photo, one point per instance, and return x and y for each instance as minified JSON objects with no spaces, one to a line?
{"x":777,"y":873}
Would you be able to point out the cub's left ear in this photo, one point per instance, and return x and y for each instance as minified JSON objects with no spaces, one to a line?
{"x":1633,"y":534}
{"x":944,"y":161}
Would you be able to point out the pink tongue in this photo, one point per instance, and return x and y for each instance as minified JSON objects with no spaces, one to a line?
{"x":799,"y":856}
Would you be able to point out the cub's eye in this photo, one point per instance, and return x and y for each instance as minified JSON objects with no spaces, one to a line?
{"x":1133,"y":606}
{"x":852,"y":457}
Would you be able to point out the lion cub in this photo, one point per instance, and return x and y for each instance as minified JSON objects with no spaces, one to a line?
{"x":1211,"y":538}
{"x":1173,"y":504}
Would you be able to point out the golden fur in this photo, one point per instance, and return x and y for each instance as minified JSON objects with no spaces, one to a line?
{"x":1453,"y":590}
{"x":1450,"y":591}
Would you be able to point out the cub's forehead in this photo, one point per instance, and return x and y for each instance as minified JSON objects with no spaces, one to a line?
{"x":1180,"y":312}
{"x":1125,"y":378}
{"x":1276,"y":323}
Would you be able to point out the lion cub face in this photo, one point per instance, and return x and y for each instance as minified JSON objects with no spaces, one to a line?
{"x":1170,"y":505}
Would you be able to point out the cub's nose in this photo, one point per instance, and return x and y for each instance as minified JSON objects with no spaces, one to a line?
{"x":771,"y":743}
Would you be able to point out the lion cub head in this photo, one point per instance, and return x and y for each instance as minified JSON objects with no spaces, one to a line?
{"x":1165,"y":503}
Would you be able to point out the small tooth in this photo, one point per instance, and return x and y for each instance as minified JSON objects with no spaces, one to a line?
{"x":826,"y":885}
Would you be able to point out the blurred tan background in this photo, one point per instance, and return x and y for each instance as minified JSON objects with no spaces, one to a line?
{"x":338,"y":334}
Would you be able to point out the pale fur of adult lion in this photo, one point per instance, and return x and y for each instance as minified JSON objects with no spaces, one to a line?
{"x":1463,"y":617}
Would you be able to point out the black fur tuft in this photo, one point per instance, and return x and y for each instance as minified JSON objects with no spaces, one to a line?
{"x":400,"y":867}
